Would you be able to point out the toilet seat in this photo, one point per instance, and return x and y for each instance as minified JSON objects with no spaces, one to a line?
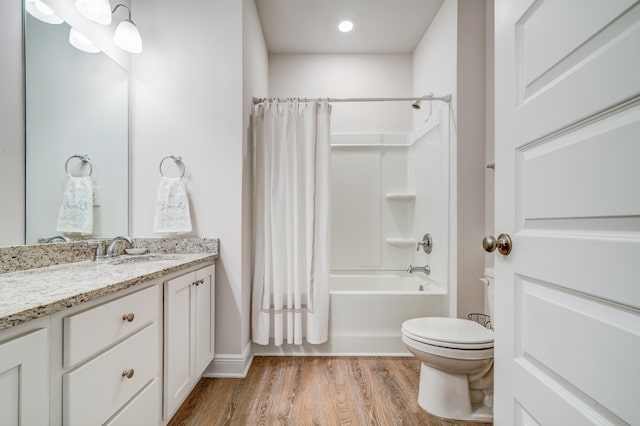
{"x":452,"y":333}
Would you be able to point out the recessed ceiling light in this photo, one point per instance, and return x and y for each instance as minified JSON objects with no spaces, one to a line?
{"x":345,"y":26}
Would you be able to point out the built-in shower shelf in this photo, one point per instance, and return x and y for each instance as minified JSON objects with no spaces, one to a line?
{"x":401,"y":242}
{"x":400,"y":196}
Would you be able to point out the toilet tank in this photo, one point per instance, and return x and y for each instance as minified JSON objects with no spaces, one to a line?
{"x":489,"y":287}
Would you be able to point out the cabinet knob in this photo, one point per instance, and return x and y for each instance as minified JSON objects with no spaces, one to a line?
{"x":198,"y":282}
{"x":128,"y":373}
{"x":128,"y":317}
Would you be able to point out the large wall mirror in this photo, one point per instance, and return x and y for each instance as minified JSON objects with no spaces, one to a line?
{"x":76,"y":126}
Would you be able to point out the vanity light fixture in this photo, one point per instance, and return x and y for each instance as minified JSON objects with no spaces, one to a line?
{"x":127,"y":36}
{"x":98,"y":11}
{"x":81,"y":42}
{"x":345,"y":26}
{"x":41,"y":11}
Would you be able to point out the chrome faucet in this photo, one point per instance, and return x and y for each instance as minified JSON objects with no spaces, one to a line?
{"x":426,"y":269}
{"x":58,"y":238}
{"x":111,"y":248}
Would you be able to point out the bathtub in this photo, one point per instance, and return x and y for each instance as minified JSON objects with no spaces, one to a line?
{"x":386,"y":284}
{"x":367,"y":311}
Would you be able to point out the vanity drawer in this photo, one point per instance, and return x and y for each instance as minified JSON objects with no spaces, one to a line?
{"x":96,"y":390}
{"x":143,"y":409}
{"x":88,"y":332}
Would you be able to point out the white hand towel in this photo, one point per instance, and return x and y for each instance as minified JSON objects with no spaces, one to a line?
{"x":172,"y":207}
{"x":76,"y":210}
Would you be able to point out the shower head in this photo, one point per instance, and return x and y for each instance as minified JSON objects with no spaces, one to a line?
{"x":416,"y":104}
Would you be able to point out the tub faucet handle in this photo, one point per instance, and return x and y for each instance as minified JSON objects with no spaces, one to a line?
{"x":426,"y":243}
{"x":99,"y":251}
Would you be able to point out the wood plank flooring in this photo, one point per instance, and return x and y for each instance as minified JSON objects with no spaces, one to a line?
{"x":313,"y":391}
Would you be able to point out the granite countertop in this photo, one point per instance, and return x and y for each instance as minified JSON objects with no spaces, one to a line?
{"x":34,"y":293}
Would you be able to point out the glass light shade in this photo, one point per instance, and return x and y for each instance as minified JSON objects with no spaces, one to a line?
{"x":127,"y":37}
{"x":98,"y":11}
{"x":41,"y":11}
{"x":79,"y":41}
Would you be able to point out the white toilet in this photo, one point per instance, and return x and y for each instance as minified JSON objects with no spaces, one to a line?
{"x":456,"y":376}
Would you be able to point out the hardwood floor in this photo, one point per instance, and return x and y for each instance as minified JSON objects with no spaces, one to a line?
{"x":313,"y":391}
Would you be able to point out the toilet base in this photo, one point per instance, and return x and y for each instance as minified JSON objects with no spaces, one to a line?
{"x":447,"y":395}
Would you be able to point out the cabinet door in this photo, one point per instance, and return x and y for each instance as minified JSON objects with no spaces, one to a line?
{"x":24,"y":380}
{"x":179,"y":333}
{"x":204,"y":318}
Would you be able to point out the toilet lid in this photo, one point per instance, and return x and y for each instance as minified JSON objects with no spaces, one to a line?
{"x":449,"y":332}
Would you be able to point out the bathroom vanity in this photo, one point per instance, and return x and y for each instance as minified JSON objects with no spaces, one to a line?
{"x":119,"y":342}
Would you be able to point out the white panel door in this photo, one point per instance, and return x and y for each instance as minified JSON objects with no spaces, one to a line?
{"x":568,"y":192}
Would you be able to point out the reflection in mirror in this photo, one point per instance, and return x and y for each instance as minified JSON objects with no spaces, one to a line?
{"x":76,"y":105}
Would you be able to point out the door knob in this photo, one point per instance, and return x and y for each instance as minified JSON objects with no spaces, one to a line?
{"x":503,"y":243}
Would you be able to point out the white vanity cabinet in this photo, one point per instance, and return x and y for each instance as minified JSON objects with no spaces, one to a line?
{"x":24,"y":375}
{"x":112,"y":358}
{"x":189,"y":302}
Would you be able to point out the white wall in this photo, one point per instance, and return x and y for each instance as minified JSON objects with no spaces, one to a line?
{"x":345,"y":75}
{"x":11,"y":124}
{"x":186,"y":99}
{"x":470,"y":154}
{"x":255,"y":70}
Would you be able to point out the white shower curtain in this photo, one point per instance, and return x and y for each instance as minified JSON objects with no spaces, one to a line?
{"x":291,"y":222}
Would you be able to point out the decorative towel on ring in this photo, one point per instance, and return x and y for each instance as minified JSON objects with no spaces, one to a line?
{"x":76,"y":211}
{"x":172,"y":207}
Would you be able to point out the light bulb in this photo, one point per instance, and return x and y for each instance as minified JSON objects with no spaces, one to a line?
{"x":41,"y":11}
{"x":79,"y":41}
{"x":127,"y":37}
{"x":345,"y":26}
{"x":98,"y":11}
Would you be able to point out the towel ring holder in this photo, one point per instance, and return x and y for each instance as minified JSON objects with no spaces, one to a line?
{"x":176,"y":159}
{"x":85,"y":160}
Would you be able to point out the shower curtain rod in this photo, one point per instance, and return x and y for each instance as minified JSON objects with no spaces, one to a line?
{"x":445,"y":98}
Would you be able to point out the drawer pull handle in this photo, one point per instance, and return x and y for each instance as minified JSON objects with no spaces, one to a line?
{"x":128,"y":317}
{"x":128,"y":373}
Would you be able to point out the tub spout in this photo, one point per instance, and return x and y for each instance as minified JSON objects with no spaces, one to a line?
{"x":424,"y":269}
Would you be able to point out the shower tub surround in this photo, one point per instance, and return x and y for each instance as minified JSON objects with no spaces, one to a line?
{"x":38,"y":280}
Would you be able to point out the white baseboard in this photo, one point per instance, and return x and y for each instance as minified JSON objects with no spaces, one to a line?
{"x":231,"y":365}
{"x":341,"y":346}
{"x":237,"y":365}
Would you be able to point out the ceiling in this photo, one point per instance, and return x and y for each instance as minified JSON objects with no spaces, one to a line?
{"x":310,"y":26}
